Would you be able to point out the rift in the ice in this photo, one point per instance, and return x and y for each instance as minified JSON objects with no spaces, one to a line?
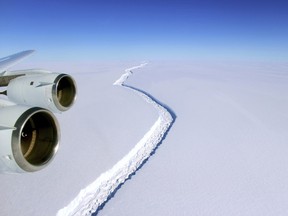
{"x":152,"y":153}
{"x":96,"y":195}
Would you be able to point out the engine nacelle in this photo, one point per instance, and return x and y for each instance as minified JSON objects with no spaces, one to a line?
{"x":52,"y":91}
{"x":29,"y":138}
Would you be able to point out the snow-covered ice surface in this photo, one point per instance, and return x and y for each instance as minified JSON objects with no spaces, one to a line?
{"x":225,"y":155}
{"x":227,"y":152}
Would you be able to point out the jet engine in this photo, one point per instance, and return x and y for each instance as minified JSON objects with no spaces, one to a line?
{"x":29,"y":131}
{"x":52,"y":91}
{"x":29,"y":138}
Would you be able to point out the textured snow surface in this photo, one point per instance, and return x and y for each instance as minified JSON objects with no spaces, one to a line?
{"x":95,"y":194}
{"x":227,"y":152}
{"x":225,"y":155}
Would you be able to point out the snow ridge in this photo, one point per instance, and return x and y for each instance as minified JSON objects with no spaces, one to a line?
{"x":91,"y":198}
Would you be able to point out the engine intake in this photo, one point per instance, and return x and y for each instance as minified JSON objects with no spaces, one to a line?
{"x":64,"y":92}
{"x":32,"y":140}
{"x":52,"y":91}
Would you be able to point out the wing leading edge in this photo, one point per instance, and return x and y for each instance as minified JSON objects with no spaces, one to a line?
{"x":11,"y":60}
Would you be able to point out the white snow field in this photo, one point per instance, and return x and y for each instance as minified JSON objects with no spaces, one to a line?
{"x":226,"y":153}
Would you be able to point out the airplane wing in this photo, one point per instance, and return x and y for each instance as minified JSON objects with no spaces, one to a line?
{"x":11,"y":60}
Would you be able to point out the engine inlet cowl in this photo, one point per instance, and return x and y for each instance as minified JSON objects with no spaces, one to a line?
{"x":32,"y":142}
{"x":35,"y":141}
{"x":52,"y":91}
{"x":64,"y":92}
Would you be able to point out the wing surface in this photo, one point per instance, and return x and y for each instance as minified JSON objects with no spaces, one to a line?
{"x":11,"y":60}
